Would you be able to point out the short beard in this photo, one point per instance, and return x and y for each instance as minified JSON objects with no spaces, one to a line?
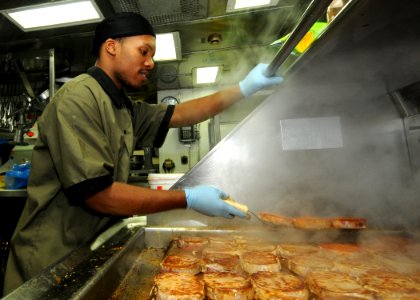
{"x":125,"y":83}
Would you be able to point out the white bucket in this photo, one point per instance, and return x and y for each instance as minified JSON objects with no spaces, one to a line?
{"x":158,"y":181}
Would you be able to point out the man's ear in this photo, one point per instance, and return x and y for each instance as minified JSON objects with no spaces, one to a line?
{"x":110,"y":46}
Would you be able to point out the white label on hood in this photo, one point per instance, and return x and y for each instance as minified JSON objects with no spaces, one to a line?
{"x":311,"y":133}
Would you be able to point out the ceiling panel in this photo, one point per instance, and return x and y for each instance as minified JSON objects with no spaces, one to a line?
{"x":244,"y":37}
{"x":161,"y":12}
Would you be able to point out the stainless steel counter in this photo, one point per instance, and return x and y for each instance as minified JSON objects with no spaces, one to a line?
{"x":71,"y":277}
{"x":6,"y":193}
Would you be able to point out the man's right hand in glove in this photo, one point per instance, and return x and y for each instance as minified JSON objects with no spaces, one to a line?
{"x":208,"y":200}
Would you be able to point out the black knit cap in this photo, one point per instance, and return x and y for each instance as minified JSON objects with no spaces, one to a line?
{"x":120,"y":25}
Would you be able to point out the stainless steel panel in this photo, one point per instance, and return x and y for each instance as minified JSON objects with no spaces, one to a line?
{"x":412,"y":128}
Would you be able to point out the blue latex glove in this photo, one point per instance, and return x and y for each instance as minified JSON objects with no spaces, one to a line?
{"x":208,"y":200}
{"x":256,"y":80}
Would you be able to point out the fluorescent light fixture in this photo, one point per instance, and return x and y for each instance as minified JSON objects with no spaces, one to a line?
{"x":235,"y":5}
{"x":54,"y":14}
{"x":205,"y":75}
{"x":168,"y":46}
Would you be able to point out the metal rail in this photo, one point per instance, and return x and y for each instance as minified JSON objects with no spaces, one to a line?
{"x":312,"y":13}
{"x":51,"y":60}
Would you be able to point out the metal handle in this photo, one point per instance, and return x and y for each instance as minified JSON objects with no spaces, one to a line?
{"x":312,"y":13}
{"x":24,"y":78}
{"x":239,"y":206}
{"x":52,"y":72}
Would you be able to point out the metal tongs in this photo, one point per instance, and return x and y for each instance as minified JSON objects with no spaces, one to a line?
{"x":249,"y":213}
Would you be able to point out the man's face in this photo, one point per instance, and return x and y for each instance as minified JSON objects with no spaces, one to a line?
{"x":134,"y":60}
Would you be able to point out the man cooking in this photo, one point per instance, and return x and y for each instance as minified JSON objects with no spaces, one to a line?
{"x":87,"y":133}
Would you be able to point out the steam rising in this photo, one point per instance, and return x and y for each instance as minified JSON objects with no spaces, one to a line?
{"x":344,"y":75}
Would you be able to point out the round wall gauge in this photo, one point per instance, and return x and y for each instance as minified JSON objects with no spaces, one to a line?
{"x":171,"y":100}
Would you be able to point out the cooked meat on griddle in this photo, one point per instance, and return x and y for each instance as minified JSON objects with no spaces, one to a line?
{"x":413,"y":250}
{"x":221,"y":262}
{"x":344,"y":250}
{"x":220,"y":248}
{"x":261,"y":246}
{"x":398,"y":262}
{"x":390,"y":285}
{"x":227,"y":286}
{"x":180,"y":286}
{"x":385,"y":244}
{"x":358,"y":266}
{"x":215,"y":241}
{"x":278,"y":285}
{"x":336,"y":285}
{"x":349,"y":223}
{"x":415,"y":277}
{"x":291,"y":250}
{"x":241,"y":241}
{"x":192,"y":243}
{"x":181,"y":264}
{"x":312,"y":223}
{"x":304,"y":264}
{"x":275,"y":219}
{"x":255,"y":261}
{"x":333,"y":271}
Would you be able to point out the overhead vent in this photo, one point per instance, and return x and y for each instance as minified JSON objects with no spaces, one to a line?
{"x":161,"y":12}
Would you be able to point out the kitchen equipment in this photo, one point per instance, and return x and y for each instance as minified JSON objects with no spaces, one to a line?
{"x":125,"y":270}
{"x":348,"y":73}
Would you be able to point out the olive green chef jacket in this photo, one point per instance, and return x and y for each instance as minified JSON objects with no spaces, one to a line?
{"x":87,"y":134}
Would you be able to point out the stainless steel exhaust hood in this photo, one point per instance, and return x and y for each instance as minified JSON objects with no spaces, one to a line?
{"x":339,"y":89}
